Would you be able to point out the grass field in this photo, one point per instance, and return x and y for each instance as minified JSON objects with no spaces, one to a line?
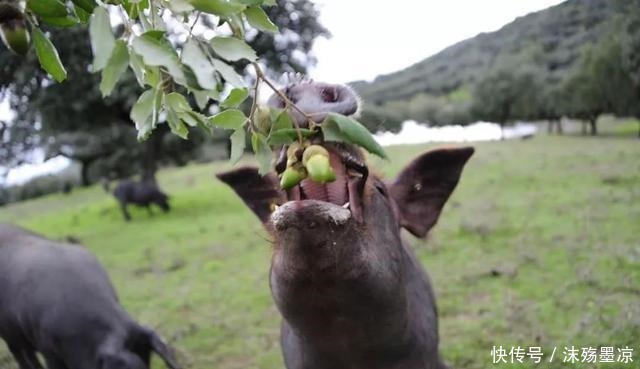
{"x":538,"y":246}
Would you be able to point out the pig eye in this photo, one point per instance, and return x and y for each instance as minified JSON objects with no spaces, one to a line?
{"x":381,"y":188}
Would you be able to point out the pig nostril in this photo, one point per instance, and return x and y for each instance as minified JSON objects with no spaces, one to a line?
{"x":329,"y":95}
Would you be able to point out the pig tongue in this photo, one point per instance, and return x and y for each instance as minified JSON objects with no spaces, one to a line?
{"x":334,"y":192}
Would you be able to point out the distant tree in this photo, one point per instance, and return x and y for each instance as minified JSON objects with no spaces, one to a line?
{"x":546,"y":104}
{"x":630,"y":54}
{"x":72,"y":119}
{"x":381,"y":118}
{"x":600,"y":84}
{"x":502,"y":95}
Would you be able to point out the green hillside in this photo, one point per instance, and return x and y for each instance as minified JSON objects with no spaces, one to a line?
{"x":550,"y":40}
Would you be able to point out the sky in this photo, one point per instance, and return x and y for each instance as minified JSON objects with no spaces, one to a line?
{"x":372,"y":37}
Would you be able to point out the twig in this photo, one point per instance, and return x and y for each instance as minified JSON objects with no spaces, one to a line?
{"x":125,"y":20}
{"x":190,"y":34}
{"x":260,"y":75}
{"x":254,"y":104}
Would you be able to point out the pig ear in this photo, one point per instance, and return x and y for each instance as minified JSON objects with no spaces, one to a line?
{"x":160,"y":348}
{"x":423,"y":187}
{"x":260,"y":193}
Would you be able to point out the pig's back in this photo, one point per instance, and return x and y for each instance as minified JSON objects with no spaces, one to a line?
{"x":40,"y":277}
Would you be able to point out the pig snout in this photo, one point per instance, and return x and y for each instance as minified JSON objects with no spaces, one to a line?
{"x":311,"y":215}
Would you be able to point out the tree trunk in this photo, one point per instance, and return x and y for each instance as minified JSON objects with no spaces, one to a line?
{"x":559,"y":129}
{"x":84,"y":173}
{"x":593,"y":125}
{"x":152,"y":150}
{"x":502,"y":131}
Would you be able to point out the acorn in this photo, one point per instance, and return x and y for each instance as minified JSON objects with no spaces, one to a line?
{"x":262,"y":119}
{"x":292,"y":176}
{"x":13,"y":30}
{"x":316,"y":160}
{"x":294,"y":153}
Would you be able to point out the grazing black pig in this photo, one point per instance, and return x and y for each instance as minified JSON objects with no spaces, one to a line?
{"x":57,"y":300}
{"x":143,"y":193}
{"x":351,"y":292}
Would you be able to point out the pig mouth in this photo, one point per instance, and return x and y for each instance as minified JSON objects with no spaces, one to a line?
{"x":344,"y":193}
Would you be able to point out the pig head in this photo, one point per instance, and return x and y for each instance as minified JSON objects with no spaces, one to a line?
{"x":351,"y":293}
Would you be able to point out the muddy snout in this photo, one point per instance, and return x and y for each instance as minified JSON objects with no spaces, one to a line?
{"x":310,"y":215}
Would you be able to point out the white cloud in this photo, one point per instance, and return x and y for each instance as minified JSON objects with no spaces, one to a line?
{"x":378,"y":37}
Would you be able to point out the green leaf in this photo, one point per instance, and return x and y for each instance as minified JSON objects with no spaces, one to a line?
{"x":259,"y":19}
{"x":47,"y":8}
{"x":228,"y":73}
{"x":116,"y":66}
{"x":102,"y":40}
{"x":283,"y":121}
{"x":218,"y":7}
{"x":157,"y":51}
{"x":142,"y":113}
{"x":86,"y":5}
{"x":228,"y":119}
{"x":135,"y":7}
{"x":238,"y":144}
{"x":263,"y":152}
{"x":82,"y":15}
{"x":193,"y":119}
{"x":233,"y":49}
{"x":235,"y":98}
{"x":48,"y":56}
{"x":177,"y":102}
{"x":251,"y":2}
{"x":236,"y":22}
{"x":203,"y":97}
{"x":199,"y":65}
{"x":176,"y":125}
{"x":287,"y":135}
{"x":339,"y":128}
{"x":180,"y":6}
{"x":67,"y":21}
{"x":137,"y":66}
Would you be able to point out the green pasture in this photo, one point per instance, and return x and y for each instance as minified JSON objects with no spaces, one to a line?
{"x":538,"y":246}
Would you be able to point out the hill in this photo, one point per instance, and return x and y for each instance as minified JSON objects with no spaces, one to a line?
{"x":550,"y":40}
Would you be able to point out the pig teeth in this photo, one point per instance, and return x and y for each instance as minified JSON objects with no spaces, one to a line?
{"x":346,"y":205}
{"x":355,"y":174}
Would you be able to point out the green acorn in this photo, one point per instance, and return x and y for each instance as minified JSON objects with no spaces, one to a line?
{"x":320,"y":170}
{"x":13,"y":30}
{"x":316,"y":160}
{"x":292,"y":176}
{"x":16,"y":39}
{"x":262,"y":119}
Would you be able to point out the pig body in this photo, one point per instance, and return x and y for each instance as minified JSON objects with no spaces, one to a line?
{"x":58,"y":300}
{"x":361,"y":326}
{"x":143,"y":193}
{"x":351,"y":293}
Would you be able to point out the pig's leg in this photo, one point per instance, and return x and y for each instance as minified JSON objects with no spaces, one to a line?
{"x":25,"y":357}
{"x":54,"y":362}
{"x":125,"y":212}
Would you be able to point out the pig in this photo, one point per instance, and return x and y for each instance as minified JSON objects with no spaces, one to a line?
{"x":143,"y":193}
{"x":57,"y":299}
{"x":351,"y":291}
